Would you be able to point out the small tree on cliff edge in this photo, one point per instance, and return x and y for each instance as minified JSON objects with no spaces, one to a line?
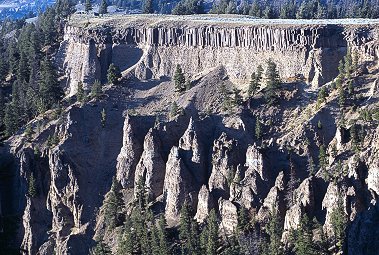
{"x":272,"y":82}
{"x":113,"y":73}
{"x":179,"y":79}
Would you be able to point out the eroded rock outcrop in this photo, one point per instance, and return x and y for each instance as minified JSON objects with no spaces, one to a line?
{"x":151,"y":166}
{"x":178,"y":186}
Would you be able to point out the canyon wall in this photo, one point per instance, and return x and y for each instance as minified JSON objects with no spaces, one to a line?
{"x":152,"y":48}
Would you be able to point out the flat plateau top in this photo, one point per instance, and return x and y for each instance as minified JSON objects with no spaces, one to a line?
{"x":116,"y":20}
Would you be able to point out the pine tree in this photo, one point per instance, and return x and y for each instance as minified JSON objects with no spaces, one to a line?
{"x":322,"y":160}
{"x":341,"y":70}
{"x":355,"y":62}
{"x":174,"y":109}
{"x":80,"y":94}
{"x":339,"y":223}
{"x":162,"y":235}
{"x":32,"y":186}
{"x":101,"y":248}
{"x":291,"y":184}
{"x":258,"y":129}
{"x":302,"y":238}
{"x":147,"y":6}
{"x":88,"y":6}
{"x":96,"y":89}
{"x":113,"y":205}
{"x":141,"y":193}
{"x":49,"y":90}
{"x":212,"y":238}
{"x":274,"y":231}
{"x":113,"y":74}
{"x":348,"y":64}
{"x":179,"y":79}
{"x":188,"y":231}
{"x":11,"y":120}
{"x":103,"y":7}
{"x":237,"y":98}
{"x":254,"y":85}
{"x":310,"y":165}
{"x":272,"y":82}
{"x":2,"y":109}
{"x":243,"y":224}
{"x":126,"y":241}
{"x":255,"y":9}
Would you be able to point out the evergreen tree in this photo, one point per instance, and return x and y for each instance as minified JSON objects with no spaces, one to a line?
{"x":310,"y":165}
{"x":258,"y":129}
{"x":147,"y":6}
{"x":212,"y":233}
{"x":2,"y":109}
{"x":113,"y":205}
{"x":339,"y":222}
{"x":96,"y":89}
{"x":113,"y":74}
{"x":341,"y":94}
{"x":274,"y":231}
{"x":188,"y":231}
{"x":103,"y":7}
{"x":231,"y":8}
{"x":179,"y":79}
{"x":302,"y":238}
{"x":88,"y":6}
{"x":49,"y":90}
{"x":162,"y":235}
{"x":32,"y":187}
{"x":291,"y":184}
{"x":237,"y":98}
{"x":348,"y":64}
{"x":126,"y":240}
{"x":272,"y":82}
{"x":141,"y":193}
{"x":101,"y":248}
{"x":11,"y":120}
{"x":80,"y":94}
{"x":322,"y":160}
{"x":255,"y":9}
{"x":254,"y":85}
{"x":243,"y":224}
{"x":174,"y":109}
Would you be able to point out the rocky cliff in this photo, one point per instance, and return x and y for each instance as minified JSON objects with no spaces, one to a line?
{"x":152,"y":47}
{"x":203,"y":153}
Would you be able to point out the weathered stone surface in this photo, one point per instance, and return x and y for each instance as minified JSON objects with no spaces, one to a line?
{"x":296,"y":49}
{"x":130,"y":153}
{"x":151,"y":165}
{"x":223,"y":165}
{"x":274,"y":200}
{"x":205,"y":203}
{"x":177,"y":186}
{"x":229,"y":216}
{"x":250,"y":190}
{"x":191,"y":150}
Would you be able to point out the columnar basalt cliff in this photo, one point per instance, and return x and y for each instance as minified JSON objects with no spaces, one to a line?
{"x":151,"y":48}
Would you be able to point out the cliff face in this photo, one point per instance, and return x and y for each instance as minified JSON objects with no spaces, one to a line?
{"x":152,"y":48}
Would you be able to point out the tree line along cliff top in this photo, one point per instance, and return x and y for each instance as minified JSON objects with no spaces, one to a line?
{"x":122,"y":20}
